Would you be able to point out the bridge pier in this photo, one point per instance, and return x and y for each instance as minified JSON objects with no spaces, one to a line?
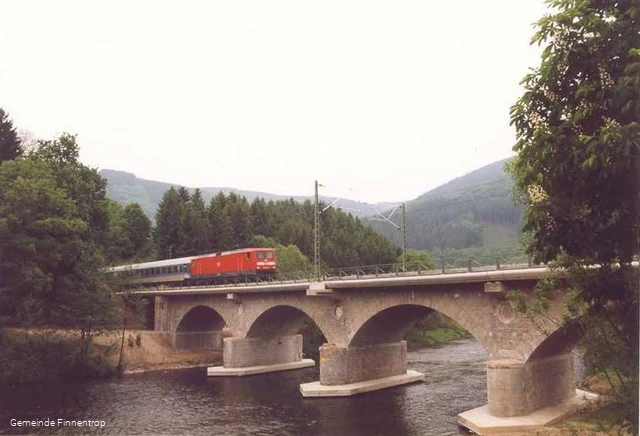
{"x":516,"y":389}
{"x":259,"y":355}
{"x":353,"y":370}
{"x":526,"y":395}
{"x":161,"y":315}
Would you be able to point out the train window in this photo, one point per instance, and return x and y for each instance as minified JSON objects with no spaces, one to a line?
{"x":248,"y":255}
{"x":265,"y":255}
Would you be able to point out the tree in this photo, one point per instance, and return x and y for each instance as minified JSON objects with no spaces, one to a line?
{"x":137,"y":229}
{"x":578,"y":171}
{"x":10,"y":146}
{"x":261,"y":217}
{"x":239,"y":213}
{"x":291,"y":262}
{"x":129,"y":234}
{"x":116,"y":245}
{"x":195,"y":227}
{"x":220,"y":224}
{"x":416,"y":261}
{"x":168,"y":220}
{"x":53,"y":219}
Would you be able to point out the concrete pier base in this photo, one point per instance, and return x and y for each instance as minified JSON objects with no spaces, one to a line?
{"x":519,"y":388}
{"x":481,"y":422}
{"x":315,"y":389}
{"x":221,"y":371}
{"x":348,"y":365}
{"x":242,"y":353}
{"x":260,"y":355}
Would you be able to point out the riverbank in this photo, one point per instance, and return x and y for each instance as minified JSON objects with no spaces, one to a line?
{"x":434,"y":337}
{"x":596,"y":420}
{"x":155,"y":352}
{"x":37,"y":355}
{"x":599,"y":418}
{"x":435,"y":330}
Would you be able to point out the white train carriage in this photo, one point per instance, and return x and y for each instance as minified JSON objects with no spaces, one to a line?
{"x":160,"y":271}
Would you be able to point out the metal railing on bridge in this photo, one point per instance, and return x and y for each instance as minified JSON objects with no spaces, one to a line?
{"x":445,"y":266}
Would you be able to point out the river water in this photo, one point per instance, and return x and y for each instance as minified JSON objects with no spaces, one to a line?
{"x":187,"y":402}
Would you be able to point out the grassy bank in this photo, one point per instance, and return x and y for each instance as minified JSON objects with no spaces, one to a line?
{"x":30,"y":356}
{"x":434,"y":337}
{"x":434,"y":330}
{"x":49,"y":355}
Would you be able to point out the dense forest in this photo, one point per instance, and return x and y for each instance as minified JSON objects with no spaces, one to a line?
{"x":186,"y":226}
{"x":472,"y":216}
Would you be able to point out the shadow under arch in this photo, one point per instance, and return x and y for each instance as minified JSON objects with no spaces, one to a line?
{"x":199,"y":319}
{"x":199,"y":329}
{"x":281,"y":320}
{"x":561,"y":341}
{"x":390,"y":325}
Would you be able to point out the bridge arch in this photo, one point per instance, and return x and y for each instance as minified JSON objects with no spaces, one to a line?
{"x":391,"y":322}
{"x":201,"y":318}
{"x":560,"y":341}
{"x":389,"y":325}
{"x":280,"y":320}
{"x":199,"y":328}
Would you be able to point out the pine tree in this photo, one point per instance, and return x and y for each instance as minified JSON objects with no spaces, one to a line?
{"x":221,"y":231}
{"x":168,"y":225}
{"x":10,"y":147}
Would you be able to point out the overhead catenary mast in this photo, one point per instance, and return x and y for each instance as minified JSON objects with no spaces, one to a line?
{"x":403,"y":229}
{"x":316,"y":236}
{"x":404,"y":238}
{"x":316,"y":229}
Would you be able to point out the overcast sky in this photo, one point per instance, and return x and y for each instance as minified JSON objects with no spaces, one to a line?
{"x":380,"y":101}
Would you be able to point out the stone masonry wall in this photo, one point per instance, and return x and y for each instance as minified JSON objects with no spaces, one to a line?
{"x":516,"y":388}
{"x":342,"y":365}
{"x":242,"y":353}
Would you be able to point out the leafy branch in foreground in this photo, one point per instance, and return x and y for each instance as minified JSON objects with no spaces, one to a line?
{"x":578,"y":174}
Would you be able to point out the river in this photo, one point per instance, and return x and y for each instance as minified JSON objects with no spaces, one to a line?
{"x":187,"y":402}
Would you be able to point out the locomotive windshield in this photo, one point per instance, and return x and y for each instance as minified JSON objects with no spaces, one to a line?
{"x":265,"y":254}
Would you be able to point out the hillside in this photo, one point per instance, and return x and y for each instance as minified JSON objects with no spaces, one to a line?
{"x":470,"y":216}
{"x":126,"y":188}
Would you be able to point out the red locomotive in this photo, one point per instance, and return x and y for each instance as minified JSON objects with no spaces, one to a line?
{"x":248,"y":263}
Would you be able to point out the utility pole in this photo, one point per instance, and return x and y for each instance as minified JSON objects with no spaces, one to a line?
{"x":404,"y":238}
{"x":316,"y":236}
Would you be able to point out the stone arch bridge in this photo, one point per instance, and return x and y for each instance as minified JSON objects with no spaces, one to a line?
{"x":364,"y":321}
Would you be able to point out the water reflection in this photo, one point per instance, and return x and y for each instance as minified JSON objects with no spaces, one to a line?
{"x":187,"y":402}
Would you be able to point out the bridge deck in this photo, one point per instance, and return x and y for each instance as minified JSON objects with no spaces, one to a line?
{"x":432,"y":277}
